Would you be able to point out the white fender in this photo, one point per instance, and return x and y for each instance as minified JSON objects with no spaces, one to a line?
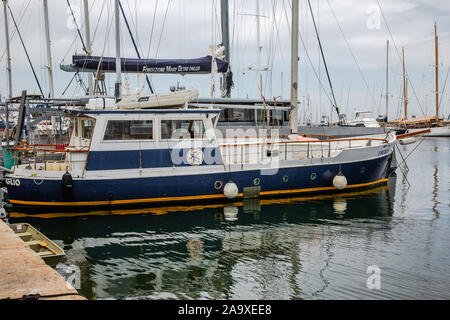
{"x":230,"y":190}
{"x":340,"y":181}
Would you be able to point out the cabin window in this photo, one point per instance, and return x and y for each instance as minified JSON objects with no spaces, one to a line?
{"x":129,"y":130}
{"x":75,"y":129}
{"x":276,"y":117}
{"x":237,"y":115}
{"x":83,"y":128}
{"x":87,"y":126}
{"x":174,"y":129}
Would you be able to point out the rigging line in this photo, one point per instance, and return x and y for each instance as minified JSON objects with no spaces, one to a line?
{"x":273,"y":45}
{"x":398,"y":53}
{"x":134,"y":44}
{"x":153,"y":27}
{"x":351,"y":51}
{"x":162,"y":29}
{"x":70,"y":82}
{"x":109,"y":24}
{"x":312,"y":67}
{"x":26,"y":52}
{"x":43,"y":61}
{"x":11,"y":37}
{"x":277,"y":28}
{"x":443,"y":88}
{"x":319,"y":63}
{"x":306,"y":52}
{"x":135,"y":24}
{"x":323,"y":58}
{"x":277,"y":43}
{"x":78,"y":29}
{"x":95,"y":32}
{"x":232,"y":33}
{"x":407,"y":156}
{"x":218,"y":27}
{"x":98,"y":20}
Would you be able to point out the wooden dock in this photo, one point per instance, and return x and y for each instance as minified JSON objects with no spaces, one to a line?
{"x":24,"y":275}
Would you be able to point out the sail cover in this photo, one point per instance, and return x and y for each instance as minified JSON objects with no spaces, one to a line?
{"x":83,"y":63}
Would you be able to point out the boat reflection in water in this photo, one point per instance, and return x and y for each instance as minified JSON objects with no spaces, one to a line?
{"x":253,"y":249}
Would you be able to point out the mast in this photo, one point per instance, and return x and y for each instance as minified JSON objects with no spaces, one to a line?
{"x":8,"y":51}
{"x":258,"y":41}
{"x":437,"y":69}
{"x":405,"y":89}
{"x":225,"y":38}
{"x":387,"y":78}
{"x":293,"y":115}
{"x":118,"y":85}
{"x":49,"y":52}
{"x":88,"y":41}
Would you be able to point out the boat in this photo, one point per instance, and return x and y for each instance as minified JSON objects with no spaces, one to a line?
{"x":158,"y":100}
{"x":122,"y":157}
{"x":441,"y":131}
{"x":437,"y":126}
{"x":273,"y":114}
{"x":409,"y":140}
{"x":142,"y":156}
{"x":362,"y":119}
{"x":49,"y":251}
{"x":411,"y":137}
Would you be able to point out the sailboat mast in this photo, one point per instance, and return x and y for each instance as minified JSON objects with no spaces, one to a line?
{"x":8,"y":51}
{"x":88,"y":42}
{"x":387,"y":78}
{"x":49,"y":51}
{"x":118,"y":85}
{"x":293,"y":115}
{"x":258,"y":41}
{"x":225,"y":40}
{"x":437,"y":73}
{"x":405,"y":92}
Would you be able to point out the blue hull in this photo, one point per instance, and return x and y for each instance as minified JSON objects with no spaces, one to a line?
{"x":287,"y":181}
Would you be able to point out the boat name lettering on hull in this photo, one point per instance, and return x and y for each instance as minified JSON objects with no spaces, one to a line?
{"x":12,"y":182}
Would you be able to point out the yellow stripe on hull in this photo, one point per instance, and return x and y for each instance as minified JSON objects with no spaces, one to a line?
{"x":188,"y":198}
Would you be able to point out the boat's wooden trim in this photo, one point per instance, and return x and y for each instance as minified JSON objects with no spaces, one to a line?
{"x":402,"y":136}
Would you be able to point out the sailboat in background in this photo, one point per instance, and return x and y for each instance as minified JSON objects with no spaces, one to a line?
{"x":438,"y":127}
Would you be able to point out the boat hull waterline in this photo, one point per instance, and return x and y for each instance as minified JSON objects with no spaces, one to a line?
{"x":197,"y":187}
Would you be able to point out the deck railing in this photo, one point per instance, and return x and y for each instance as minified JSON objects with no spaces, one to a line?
{"x":251,"y":152}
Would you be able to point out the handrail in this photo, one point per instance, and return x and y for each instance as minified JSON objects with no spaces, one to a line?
{"x":405,"y":135}
{"x":31,"y":147}
{"x":319,"y":141}
{"x":283,"y":136}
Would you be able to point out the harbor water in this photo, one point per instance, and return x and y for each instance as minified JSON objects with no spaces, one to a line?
{"x":310,"y":247}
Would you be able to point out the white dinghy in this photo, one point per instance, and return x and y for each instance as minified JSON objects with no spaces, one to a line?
{"x":158,"y":100}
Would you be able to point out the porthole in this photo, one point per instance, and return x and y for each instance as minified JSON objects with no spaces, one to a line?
{"x":363,"y":169}
{"x":218,"y":185}
{"x":285,"y":179}
{"x":256,"y":181}
{"x":313,"y":176}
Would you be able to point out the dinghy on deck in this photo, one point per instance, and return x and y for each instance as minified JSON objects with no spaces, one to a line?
{"x":158,"y":100}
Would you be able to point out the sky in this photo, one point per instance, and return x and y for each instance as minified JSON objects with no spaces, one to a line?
{"x":353,"y":35}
